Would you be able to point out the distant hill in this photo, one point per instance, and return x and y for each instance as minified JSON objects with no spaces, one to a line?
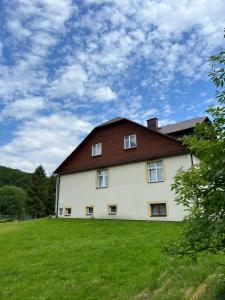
{"x":9,"y":176}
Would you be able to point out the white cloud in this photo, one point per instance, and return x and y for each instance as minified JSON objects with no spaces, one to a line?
{"x":35,"y":28}
{"x":70,"y":82}
{"x":23,"y":108}
{"x":17,"y":29}
{"x":45,"y":140}
{"x":104,"y":93}
{"x":164,"y":122}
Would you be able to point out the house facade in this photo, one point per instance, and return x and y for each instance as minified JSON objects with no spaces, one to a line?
{"x":124,"y":170}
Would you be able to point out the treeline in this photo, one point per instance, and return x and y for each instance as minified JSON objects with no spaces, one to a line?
{"x":9,"y":176}
{"x":24,"y":193}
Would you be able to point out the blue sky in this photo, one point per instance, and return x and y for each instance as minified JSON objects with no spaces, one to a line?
{"x":66,"y":66}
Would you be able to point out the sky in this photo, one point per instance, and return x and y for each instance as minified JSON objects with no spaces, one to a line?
{"x":66,"y":66}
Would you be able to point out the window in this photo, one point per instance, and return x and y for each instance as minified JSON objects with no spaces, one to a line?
{"x":155,"y":171}
{"x":61,"y":211}
{"x":97,"y":149}
{"x":102,"y":178}
{"x":68,"y":211}
{"x":130,"y":141}
{"x":112,"y":209}
{"x":158,"y":210}
{"x":89,"y":210}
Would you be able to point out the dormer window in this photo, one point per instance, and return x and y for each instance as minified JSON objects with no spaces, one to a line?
{"x":130,"y":141}
{"x":97,"y":149}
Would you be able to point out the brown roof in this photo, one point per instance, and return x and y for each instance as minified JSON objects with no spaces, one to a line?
{"x":187,"y":124}
{"x":114,"y":120}
{"x":152,"y":144}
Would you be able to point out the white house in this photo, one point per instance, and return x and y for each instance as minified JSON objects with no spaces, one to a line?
{"x":124,"y":170}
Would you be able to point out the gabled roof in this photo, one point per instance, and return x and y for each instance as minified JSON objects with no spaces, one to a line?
{"x":112,"y":121}
{"x":117,"y":121}
{"x":183,"y":125}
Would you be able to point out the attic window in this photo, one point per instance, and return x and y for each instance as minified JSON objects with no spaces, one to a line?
{"x":97,"y":149}
{"x":130,"y":141}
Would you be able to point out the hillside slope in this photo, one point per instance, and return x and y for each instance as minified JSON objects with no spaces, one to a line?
{"x":101,"y":259}
{"x":9,"y":176}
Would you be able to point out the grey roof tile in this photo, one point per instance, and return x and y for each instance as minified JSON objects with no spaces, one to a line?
{"x":187,"y":124}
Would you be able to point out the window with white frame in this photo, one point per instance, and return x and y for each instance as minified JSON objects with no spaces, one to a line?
{"x":68,"y":211}
{"x":112,"y":209}
{"x":89,"y":210}
{"x":158,"y":210}
{"x":60,"y":211}
{"x":155,"y":171}
{"x":130,"y":141}
{"x":96,"y":149}
{"x":102,"y":178}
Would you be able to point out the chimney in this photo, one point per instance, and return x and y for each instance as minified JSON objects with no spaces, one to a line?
{"x":152,"y":123}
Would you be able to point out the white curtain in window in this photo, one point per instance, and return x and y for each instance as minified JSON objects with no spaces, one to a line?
{"x":103,"y":178}
{"x":155,"y":171}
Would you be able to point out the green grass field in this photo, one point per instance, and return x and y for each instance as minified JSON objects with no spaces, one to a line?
{"x":100,"y":259}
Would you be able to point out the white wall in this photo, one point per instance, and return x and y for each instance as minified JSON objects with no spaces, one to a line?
{"x":128,"y":189}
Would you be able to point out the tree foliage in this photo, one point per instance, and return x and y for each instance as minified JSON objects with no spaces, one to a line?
{"x":12,"y":200}
{"x":50,"y":204}
{"x":37,"y":193}
{"x":9,"y":176}
{"x":201,"y":189}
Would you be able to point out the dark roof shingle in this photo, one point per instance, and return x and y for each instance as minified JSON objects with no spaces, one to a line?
{"x":181,"y":125}
{"x":114,"y":120}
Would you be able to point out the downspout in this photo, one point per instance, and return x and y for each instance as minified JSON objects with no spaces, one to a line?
{"x":192,"y":162}
{"x":57,"y":195}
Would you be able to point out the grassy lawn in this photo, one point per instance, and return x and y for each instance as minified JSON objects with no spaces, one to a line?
{"x":99,"y":259}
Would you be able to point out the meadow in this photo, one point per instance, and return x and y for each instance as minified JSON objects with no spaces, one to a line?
{"x":101,"y":259}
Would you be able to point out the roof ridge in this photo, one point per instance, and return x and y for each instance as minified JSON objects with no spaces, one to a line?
{"x":111,"y":121}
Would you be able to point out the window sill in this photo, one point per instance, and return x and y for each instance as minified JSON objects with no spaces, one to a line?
{"x":102,"y":187}
{"x":90,"y":215}
{"x":112,"y":214}
{"x":130,"y":148}
{"x":156,"y":181}
{"x":158,"y":216}
{"x":67,"y":215}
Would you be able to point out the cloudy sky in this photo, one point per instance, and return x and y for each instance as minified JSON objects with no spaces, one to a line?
{"x":66,"y":66}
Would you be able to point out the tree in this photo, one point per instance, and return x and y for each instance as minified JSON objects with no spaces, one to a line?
{"x":12,"y":200}
{"x":201,"y":189}
{"x":37,"y":193}
{"x":50,"y":205}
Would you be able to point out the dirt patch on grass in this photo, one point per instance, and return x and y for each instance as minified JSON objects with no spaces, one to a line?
{"x":202,"y":289}
{"x":162,"y":288}
{"x":142,"y":296}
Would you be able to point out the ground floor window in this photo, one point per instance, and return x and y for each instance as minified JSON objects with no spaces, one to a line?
{"x":112,"y":209}
{"x":61,"y":211}
{"x":89,"y":210}
{"x":158,"y":210}
{"x":68,"y":211}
